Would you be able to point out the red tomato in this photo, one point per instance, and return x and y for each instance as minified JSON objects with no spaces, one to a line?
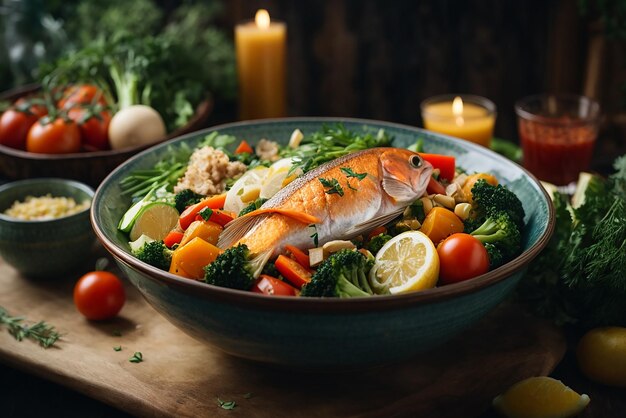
{"x":55,"y":137}
{"x":269,"y":285}
{"x":82,"y":94}
{"x":461,"y":257}
{"x":17,"y":121}
{"x":99,"y":295}
{"x":94,"y":127}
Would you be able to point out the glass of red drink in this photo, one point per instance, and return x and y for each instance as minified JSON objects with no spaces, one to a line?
{"x":557,"y":134}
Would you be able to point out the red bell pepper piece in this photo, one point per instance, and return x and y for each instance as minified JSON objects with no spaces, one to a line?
{"x":445,"y":163}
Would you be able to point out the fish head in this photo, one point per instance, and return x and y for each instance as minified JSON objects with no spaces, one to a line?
{"x":405,"y":175}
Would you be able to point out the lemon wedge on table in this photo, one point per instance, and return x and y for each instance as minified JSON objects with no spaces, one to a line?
{"x":406,"y":263}
{"x":540,"y":397}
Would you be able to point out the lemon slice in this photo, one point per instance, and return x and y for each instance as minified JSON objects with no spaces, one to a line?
{"x":540,"y":397}
{"x":406,"y":263}
{"x":248,"y":185}
{"x":155,"y":220}
{"x":277,"y":177}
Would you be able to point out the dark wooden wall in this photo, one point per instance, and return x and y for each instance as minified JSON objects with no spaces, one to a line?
{"x":380,"y":58}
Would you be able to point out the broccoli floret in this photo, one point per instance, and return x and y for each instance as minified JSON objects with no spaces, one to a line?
{"x":377,"y":242}
{"x":252,"y":206}
{"x":186,"y":198}
{"x":154,"y":253}
{"x":231,"y":269}
{"x":490,"y":200}
{"x":496,"y":259}
{"x":500,"y":231}
{"x":343,"y":274}
{"x":271,"y":270}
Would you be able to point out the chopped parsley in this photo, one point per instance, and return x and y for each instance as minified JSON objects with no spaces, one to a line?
{"x":136,"y":358}
{"x":206,"y":213}
{"x":226,"y":404}
{"x":333,"y":186}
{"x":350,"y":173}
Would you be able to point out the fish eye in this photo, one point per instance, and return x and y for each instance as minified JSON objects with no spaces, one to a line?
{"x":415,"y":161}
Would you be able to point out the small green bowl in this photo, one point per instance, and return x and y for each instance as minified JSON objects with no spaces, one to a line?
{"x":45,"y":248}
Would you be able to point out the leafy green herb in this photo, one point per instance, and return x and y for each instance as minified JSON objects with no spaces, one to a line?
{"x":136,"y":358}
{"x":41,"y":332}
{"x":333,"y":186}
{"x":206,"y":213}
{"x":581,"y":275}
{"x":226,"y":404}
{"x":350,"y":173}
{"x":333,"y":142}
{"x":117,"y":348}
{"x":252,"y":206}
{"x":314,"y":235}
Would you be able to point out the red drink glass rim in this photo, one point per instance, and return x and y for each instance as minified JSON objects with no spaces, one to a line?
{"x":574,"y":118}
{"x":487,"y":104}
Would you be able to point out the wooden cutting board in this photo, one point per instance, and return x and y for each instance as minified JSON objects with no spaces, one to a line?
{"x":181,"y":377}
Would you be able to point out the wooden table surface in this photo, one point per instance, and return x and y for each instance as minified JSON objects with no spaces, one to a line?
{"x":182,"y":377}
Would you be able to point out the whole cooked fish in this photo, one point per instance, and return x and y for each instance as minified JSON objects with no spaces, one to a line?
{"x":337,"y":200}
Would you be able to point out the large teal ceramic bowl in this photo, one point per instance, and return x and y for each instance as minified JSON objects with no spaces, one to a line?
{"x":326,"y":333}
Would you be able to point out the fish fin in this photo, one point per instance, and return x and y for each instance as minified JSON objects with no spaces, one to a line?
{"x":397,"y":189}
{"x":372,"y":223}
{"x":293,"y":214}
{"x":237,"y":229}
{"x":259,"y":261}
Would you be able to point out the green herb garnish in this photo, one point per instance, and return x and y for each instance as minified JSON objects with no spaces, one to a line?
{"x":314,"y":235}
{"x":333,"y":142}
{"x":333,"y":186}
{"x":350,"y":173}
{"x":136,"y":358}
{"x":117,"y":348}
{"x":41,"y":332}
{"x":226,"y":404}
{"x":206,"y":213}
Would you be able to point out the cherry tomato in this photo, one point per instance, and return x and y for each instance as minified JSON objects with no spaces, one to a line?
{"x":17,"y":121}
{"x":94,"y":127}
{"x":461,"y":257}
{"x":82,"y":94}
{"x":99,"y":295}
{"x":269,"y":285}
{"x":55,"y":137}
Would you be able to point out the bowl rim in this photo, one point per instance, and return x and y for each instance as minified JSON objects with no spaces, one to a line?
{"x":47,"y":180}
{"x":247,"y":299}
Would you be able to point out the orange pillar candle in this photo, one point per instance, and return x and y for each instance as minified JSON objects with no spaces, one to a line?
{"x":261,"y":67}
{"x":467,"y":117}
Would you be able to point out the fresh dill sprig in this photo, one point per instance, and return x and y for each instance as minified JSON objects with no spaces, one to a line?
{"x":41,"y":332}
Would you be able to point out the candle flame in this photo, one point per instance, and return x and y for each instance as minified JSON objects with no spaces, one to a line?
{"x":457,"y":110}
{"x":262,"y":19}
